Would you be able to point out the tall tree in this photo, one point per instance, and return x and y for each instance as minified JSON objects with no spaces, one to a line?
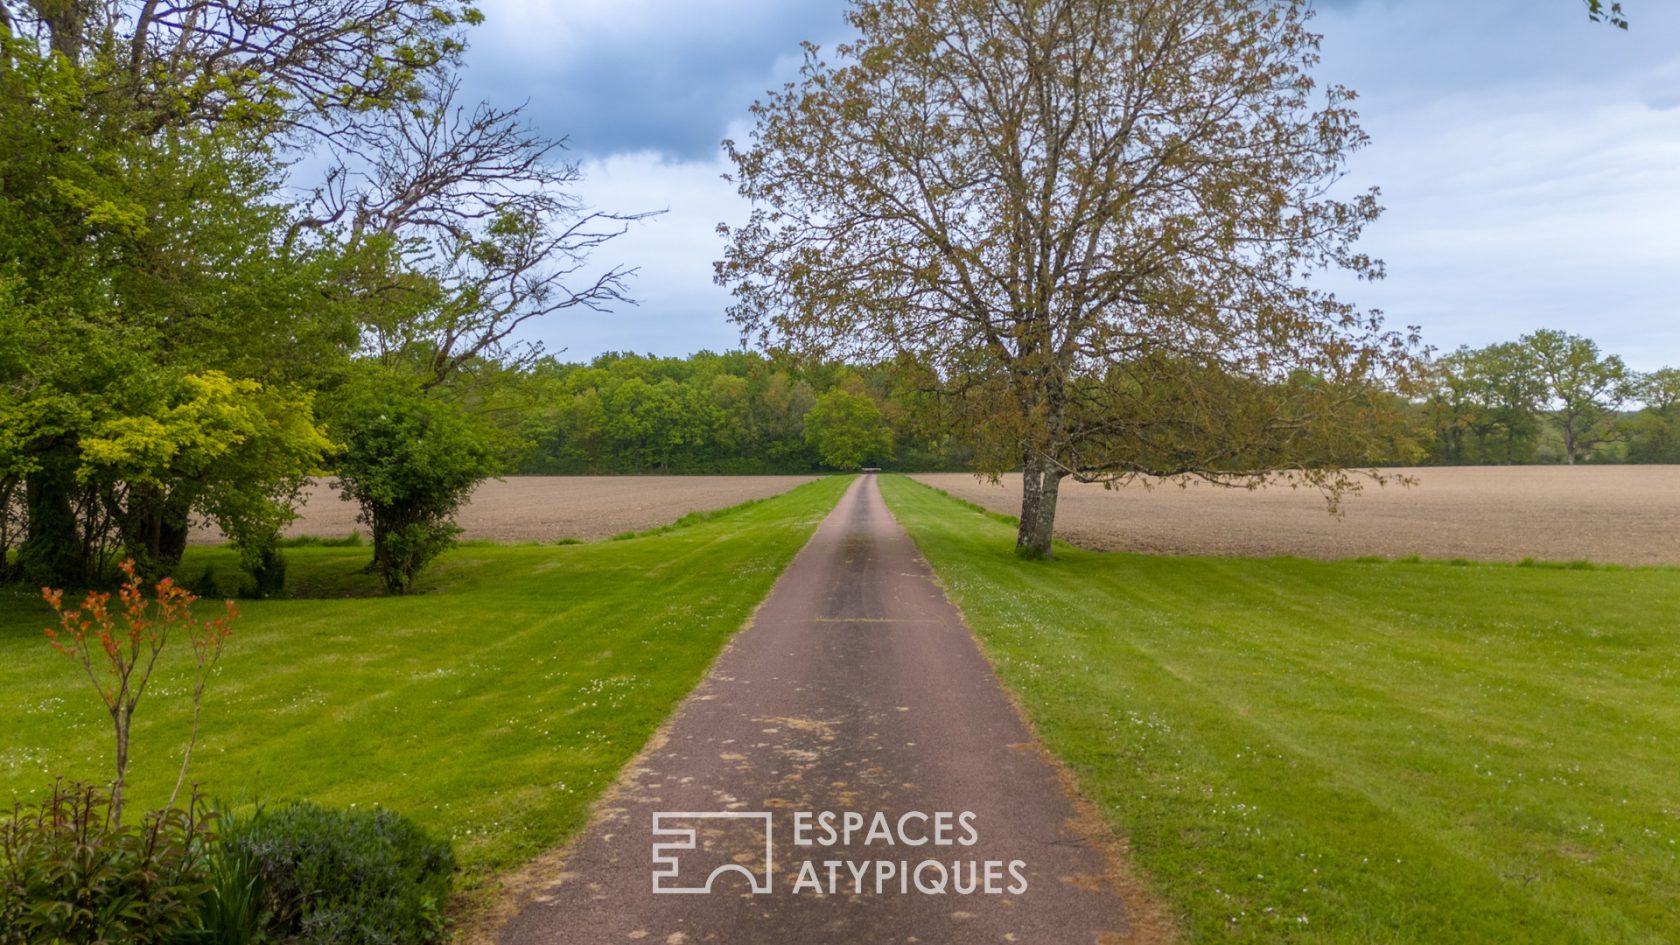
{"x":143,"y":203}
{"x":1585,"y":388}
{"x":1654,"y":433}
{"x":845,"y":429}
{"x":1091,"y":218}
{"x":138,"y":260}
{"x":1511,"y":392}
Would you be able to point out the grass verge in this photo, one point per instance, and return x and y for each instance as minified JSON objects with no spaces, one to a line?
{"x":494,"y":705}
{"x":1350,"y":752}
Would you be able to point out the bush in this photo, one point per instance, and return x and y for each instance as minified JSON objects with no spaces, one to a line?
{"x":347,"y":877}
{"x":232,"y":910}
{"x":69,"y":874}
{"x":409,"y":460}
{"x":267,"y":566}
{"x":302,"y":874}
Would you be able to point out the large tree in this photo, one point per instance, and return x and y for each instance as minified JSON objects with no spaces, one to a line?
{"x":1093,"y":219}
{"x":845,"y":429}
{"x":138,"y":260}
{"x":1494,"y":394}
{"x":151,"y":232}
{"x":1585,"y":387}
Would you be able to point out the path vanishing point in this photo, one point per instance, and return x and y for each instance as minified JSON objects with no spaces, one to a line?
{"x":857,"y":688}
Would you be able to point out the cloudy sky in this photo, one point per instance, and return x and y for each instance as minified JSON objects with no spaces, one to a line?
{"x":1529,"y":161}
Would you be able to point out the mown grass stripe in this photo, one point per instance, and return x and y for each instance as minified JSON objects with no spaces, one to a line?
{"x":1350,"y":752}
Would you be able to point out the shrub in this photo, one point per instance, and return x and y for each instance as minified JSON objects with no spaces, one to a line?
{"x":267,"y":566}
{"x":232,"y":910}
{"x":347,"y":877}
{"x":70,"y":873}
{"x":409,"y":460}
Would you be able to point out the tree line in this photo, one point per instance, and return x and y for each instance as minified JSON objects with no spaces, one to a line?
{"x":733,"y":413}
{"x":1548,"y":397}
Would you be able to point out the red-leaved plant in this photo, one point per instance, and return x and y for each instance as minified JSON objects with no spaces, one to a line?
{"x":119,"y":660}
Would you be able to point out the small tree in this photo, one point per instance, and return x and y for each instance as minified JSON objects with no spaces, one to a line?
{"x":1585,"y":389}
{"x":846,"y":429}
{"x":410,"y":459}
{"x":119,"y":660}
{"x":236,"y":451}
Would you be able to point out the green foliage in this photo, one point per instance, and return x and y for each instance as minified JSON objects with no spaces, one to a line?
{"x":232,"y":911}
{"x":1653,"y":434}
{"x":733,"y":413}
{"x":846,"y":430}
{"x":69,"y":875}
{"x":1485,"y":405}
{"x":1547,"y":397}
{"x":1606,"y":11}
{"x":346,"y":877}
{"x":409,"y":460}
{"x":156,"y":327}
{"x":1584,"y":387}
{"x":237,"y":451}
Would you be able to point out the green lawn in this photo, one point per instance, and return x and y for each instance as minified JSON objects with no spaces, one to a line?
{"x":1351,"y":752}
{"x":494,"y":705}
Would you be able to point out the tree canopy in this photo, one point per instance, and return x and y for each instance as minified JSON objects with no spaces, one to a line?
{"x":176,"y":291}
{"x":845,"y":429}
{"x":1092,"y":219}
{"x":1600,"y":11}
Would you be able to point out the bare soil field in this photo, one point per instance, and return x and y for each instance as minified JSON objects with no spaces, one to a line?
{"x":548,"y":508}
{"x":1607,"y":514}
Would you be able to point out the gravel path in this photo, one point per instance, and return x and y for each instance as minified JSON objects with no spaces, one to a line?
{"x":858,"y":688}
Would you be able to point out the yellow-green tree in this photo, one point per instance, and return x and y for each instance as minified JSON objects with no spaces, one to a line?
{"x":846,"y":430}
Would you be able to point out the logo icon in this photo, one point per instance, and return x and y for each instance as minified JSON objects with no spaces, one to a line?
{"x":678,"y":831}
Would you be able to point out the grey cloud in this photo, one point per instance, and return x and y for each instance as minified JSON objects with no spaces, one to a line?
{"x":650,"y":76}
{"x":1531,"y":170}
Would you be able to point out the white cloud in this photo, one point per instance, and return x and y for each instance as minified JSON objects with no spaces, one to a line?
{"x":1525,"y":194}
{"x":680,"y":310}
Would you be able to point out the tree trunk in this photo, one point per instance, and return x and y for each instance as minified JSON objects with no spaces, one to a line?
{"x":1040,"y":485}
{"x":51,"y":553}
{"x":11,"y":487}
{"x":66,"y":26}
{"x":154,"y":527}
{"x":1032,"y":492}
{"x":122,"y":718}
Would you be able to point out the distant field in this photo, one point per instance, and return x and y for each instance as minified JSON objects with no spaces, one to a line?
{"x":548,"y":508}
{"x":1607,"y":514}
